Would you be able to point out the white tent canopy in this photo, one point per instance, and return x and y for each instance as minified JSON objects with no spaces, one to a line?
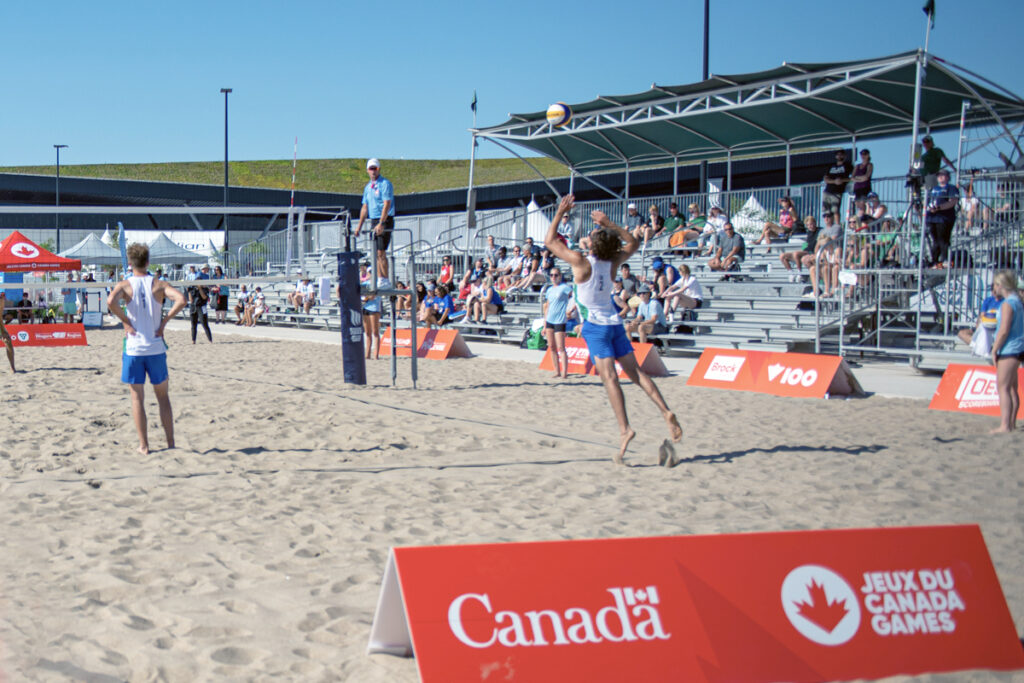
{"x":163,"y":250}
{"x":93,"y":251}
{"x":536,"y":223}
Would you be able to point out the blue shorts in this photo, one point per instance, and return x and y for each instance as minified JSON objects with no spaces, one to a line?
{"x":135,"y":368}
{"x":606,"y":341}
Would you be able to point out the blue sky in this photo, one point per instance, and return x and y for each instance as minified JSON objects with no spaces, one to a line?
{"x":131,"y":82}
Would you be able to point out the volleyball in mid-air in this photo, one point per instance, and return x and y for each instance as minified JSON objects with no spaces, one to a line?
{"x":559,"y":114}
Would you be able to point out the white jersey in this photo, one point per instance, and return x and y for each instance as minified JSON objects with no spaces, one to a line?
{"x":692,"y":288}
{"x":596,"y":294}
{"x":143,"y":312}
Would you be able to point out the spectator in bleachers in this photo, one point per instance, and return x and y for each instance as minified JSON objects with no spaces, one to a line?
{"x":981,"y":336}
{"x":500,"y":260}
{"x":491,"y":253}
{"x":488,"y":303}
{"x":796,"y":258}
{"x":477,"y":272}
{"x":632,"y":219}
{"x":651,"y":228}
{"x":692,"y":230}
{"x":862,"y":173}
{"x":402,"y":301}
{"x":296,"y":295}
{"x":875,"y":208}
{"x":243,"y":301}
{"x":836,"y":179}
{"x":782,"y":229}
{"x":942,"y":203}
{"x":308,"y":295}
{"x":685,"y":293}
{"x":970,"y":206}
{"x":547,"y":260}
{"x":426,"y":303}
{"x":508,"y":272}
{"x":709,"y":239}
{"x":364,"y":273}
{"x":447,"y":273}
{"x":823,"y":264}
{"x":259,"y":306}
{"x":476,"y":291}
{"x":619,"y":298}
{"x":531,"y":275}
{"x":556,"y":304}
{"x":442,"y":308}
{"x":730,"y":253}
{"x":674,"y":220}
{"x":26,"y":310}
{"x":650,"y":317}
{"x":530,"y":249}
{"x":664,"y":275}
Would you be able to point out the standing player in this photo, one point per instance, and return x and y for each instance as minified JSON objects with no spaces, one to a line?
{"x":602,"y":330}
{"x":145,"y":352}
{"x":379,"y":207}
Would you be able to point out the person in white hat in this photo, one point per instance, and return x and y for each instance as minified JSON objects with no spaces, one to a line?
{"x":379,"y":207}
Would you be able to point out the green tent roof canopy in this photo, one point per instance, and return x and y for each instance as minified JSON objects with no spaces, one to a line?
{"x":789,"y":108}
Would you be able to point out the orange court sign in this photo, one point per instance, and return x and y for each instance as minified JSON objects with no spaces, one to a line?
{"x":745,"y":608}
{"x":970,"y":389}
{"x":47,"y":335}
{"x":438,"y":344}
{"x":804,"y":375}
{"x":579,"y":359}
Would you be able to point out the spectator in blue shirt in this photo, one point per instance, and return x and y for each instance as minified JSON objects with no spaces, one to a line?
{"x":556,"y":303}
{"x":379,"y":207}
{"x":942,"y":203}
{"x":441,"y":307}
{"x":650,"y":317}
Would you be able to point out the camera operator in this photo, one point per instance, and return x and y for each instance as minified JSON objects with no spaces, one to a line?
{"x":942,"y":203}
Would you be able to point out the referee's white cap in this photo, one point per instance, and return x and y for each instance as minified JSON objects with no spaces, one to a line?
{"x":372,"y":163}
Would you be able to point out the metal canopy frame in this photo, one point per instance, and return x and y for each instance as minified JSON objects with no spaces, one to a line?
{"x":793,"y":107}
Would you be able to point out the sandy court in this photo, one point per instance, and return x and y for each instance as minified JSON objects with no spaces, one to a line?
{"x":254,"y":550}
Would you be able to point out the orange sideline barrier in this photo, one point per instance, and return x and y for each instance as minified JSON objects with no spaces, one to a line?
{"x":805,"y":375}
{"x":746,"y":608}
{"x":438,"y":344}
{"x":580,"y":364}
{"x":72,"y":334}
{"x":970,"y":389}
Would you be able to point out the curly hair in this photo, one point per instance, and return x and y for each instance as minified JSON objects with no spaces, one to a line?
{"x":138,"y":255}
{"x":604,"y":244}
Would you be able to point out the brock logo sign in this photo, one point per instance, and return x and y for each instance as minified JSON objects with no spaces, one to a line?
{"x":476,"y":621}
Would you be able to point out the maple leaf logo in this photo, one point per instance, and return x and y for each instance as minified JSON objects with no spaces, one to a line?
{"x":820,"y":610}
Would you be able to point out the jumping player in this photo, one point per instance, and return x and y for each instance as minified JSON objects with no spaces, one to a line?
{"x":145,"y":352}
{"x":602,"y":330}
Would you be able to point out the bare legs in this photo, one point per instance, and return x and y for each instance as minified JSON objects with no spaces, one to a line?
{"x":163,"y":400}
{"x":1009,"y":399}
{"x":606,"y":368}
{"x":556,"y":343}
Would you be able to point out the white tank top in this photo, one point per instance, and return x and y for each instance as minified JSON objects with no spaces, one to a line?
{"x":596,"y":294}
{"x":143,"y":312}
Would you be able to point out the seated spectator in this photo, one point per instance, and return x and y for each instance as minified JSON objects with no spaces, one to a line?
{"x":447,"y":273}
{"x":532,"y":275}
{"x":530,"y":249}
{"x":364,"y":273}
{"x":243,"y":301}
{"x":784,"y":228}
{"x":875,"y":208}
{"x":823,"y":265}
{"x":685,"y":293}
{"x":441,"y":307}
{"x":476,"y":290}
{"x":650,"y":317}
{"x":296,"y":296}
{"x":713,"y":232}
{"x":308,"y":295}
{"x":653,"y":227}
{"x":26,"y":309}
{"x":488,"y":303}
{"x":665,"y":275}
{"x":629,"y":286}
{"x":730,"y":253}
{"x":510,"y":271}
{"x":478,"y":270}
{"x":402,"y":301}
{"x":674,"y":220}
{"x":259,"y":306}
{"x":796,"y":258}
{"x":426,"y":304}
{"x":618,"y":298}
{"x":632,"y":220}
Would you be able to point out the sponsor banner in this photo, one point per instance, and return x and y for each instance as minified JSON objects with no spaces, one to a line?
{"x":805,"y":375}
{"x":580,"y":364}
{"x":745,"y":608}
{"x":439,"y":344}
{"x":970,"y":389}
{"x":47,"y":335}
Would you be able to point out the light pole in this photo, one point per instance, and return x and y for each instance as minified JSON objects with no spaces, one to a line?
{"x":226,"y":92}
{"x":56,"y":215}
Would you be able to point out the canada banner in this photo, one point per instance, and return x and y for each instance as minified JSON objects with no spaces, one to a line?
{"x":439,"y":344}
{"x":805,"y":375}
{"x":47,"y":335}
{"x":580,"y":364}
{"x":971,"y":389}
{"x":742,"y":608}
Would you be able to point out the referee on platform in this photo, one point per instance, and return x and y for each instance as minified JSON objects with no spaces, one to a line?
{"x":379,"y":207}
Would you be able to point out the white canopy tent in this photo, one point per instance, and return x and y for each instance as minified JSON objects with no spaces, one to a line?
{"x":93,"y":251}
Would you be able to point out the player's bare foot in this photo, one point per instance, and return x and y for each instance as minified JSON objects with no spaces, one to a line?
{"x":674,"y":428}
{"x":1000,"y":430}
{"x":144,"y":450}
{"x":627,"y":436}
